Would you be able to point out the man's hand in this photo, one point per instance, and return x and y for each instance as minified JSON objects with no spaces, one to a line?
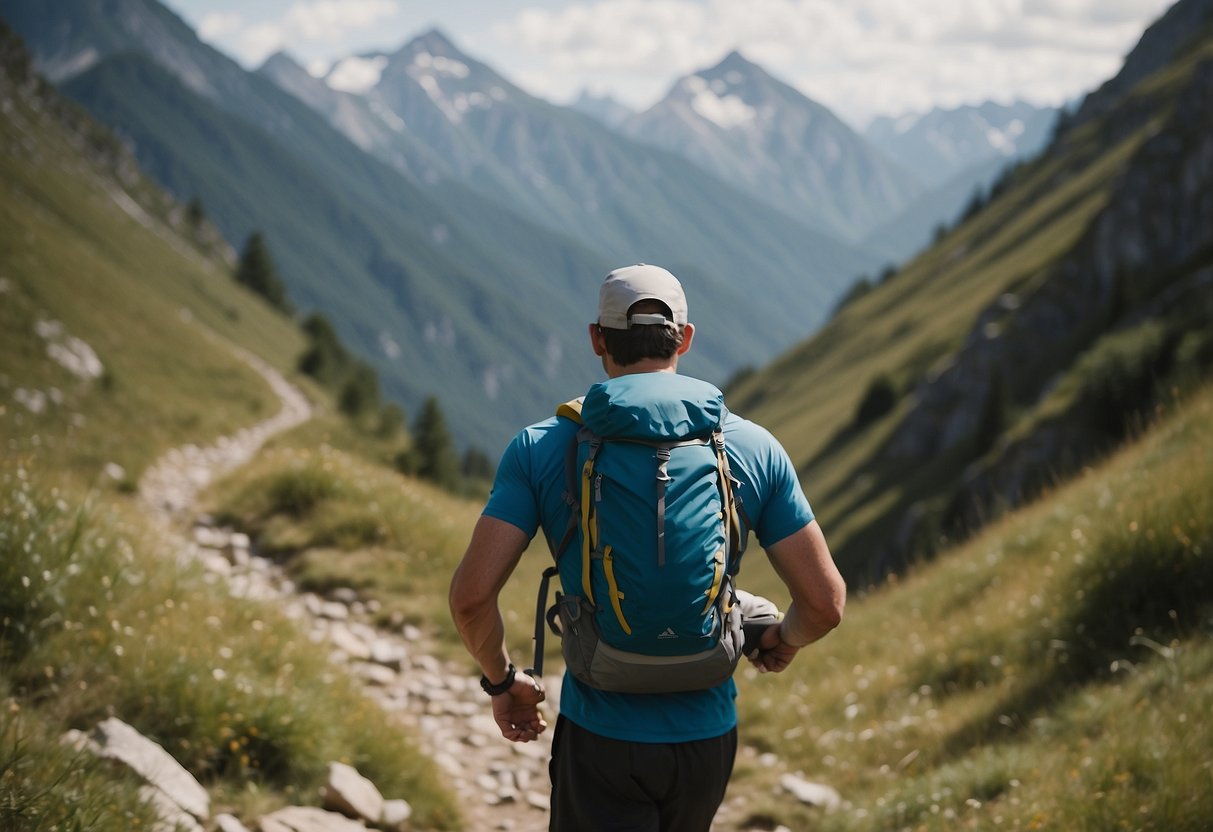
{"x":517,"y":710}
{"x":773,"y":653}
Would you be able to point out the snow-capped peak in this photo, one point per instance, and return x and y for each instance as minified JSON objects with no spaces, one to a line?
{"x":424,"y":62}
{"x":357,"y":74}
{"x":714,"y":101}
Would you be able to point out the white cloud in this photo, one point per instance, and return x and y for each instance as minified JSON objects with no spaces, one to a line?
{"x":217,"y":25}
{"x":325,"y":19}
{"x":860,"y":57}
{"x":308,"y":25}
{"x":357,"y":75}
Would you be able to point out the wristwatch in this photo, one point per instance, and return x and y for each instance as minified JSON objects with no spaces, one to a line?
{"x":500,"y":687}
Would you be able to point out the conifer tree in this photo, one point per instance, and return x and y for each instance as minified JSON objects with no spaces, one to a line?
{"x":256,"y":271}
{"x":434,"y":453}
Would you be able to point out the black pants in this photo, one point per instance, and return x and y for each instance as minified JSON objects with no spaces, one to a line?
{"x":601,"y":784}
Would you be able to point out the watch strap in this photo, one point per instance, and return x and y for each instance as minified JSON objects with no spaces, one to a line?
{"x":501,"y":687}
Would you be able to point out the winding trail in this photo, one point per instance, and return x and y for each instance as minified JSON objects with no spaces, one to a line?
{"x":500,"y":785}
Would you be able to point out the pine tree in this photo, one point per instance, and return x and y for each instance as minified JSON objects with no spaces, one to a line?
{"x":256,"y":271}
{"x":434,"y":453}
{"x":360,"y":392}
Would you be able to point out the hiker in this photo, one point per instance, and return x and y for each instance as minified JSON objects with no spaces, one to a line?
{"x":637,"y":748}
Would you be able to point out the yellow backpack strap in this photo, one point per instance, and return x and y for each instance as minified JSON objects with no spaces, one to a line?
{"x":570,"y":410}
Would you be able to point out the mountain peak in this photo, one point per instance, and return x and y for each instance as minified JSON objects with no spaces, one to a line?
{"x":735,"y":60}
{"x":435,"y":42}
{"x":281,"y":60}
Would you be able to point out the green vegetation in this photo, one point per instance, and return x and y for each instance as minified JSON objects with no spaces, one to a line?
{"x":107,"y":318}
{"x":432,"y":456}
{"x":96,"y":621}
{"x":336,"y":519}
{"x":1051,"y":673}
{"x":256,"y":270}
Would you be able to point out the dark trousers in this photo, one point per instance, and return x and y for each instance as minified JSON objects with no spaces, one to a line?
{"x":606,"y":785}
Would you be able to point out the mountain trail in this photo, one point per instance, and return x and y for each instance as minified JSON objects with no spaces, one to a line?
{"x":500,"y":785}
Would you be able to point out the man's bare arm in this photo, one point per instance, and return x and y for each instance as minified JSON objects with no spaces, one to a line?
{"x":494,"y":551}
{"x":803,"y":562}
{"x":491,"y":556}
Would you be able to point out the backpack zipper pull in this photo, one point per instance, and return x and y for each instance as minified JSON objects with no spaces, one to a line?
{"x":598,"y":489}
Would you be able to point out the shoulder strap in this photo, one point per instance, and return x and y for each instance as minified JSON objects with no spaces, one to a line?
{"x":570,"y":410}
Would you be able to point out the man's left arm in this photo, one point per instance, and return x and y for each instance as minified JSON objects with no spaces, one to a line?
{"x":803,"y":562}
{"x":494,"y":551}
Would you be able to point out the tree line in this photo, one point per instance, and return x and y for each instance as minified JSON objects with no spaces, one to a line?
{"x":431,"y":454}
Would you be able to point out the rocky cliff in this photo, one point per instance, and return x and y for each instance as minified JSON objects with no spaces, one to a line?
{"x":1140,"y":273}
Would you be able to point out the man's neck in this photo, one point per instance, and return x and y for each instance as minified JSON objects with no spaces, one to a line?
{"x":644,"y":366}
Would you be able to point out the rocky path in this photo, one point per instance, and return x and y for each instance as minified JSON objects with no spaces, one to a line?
{"x":500,"y":785}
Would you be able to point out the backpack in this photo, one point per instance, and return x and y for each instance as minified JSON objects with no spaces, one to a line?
{"x":648,"y":559}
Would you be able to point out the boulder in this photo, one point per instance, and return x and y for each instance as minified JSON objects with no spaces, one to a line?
{"x":229,"y":823}
{"x":396,"y":814}
{"x":350,"y":793}
{"x":308,"y":819}
{"x":123,"y":743}
{"x":172,"y":818}
{"x":813,"y":794}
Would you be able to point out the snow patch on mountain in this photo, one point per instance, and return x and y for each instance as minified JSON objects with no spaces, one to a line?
{"x":356,"y":75}
{"x":424,"y":62}
{"x":712,"y":102}
{"x":428,"y":70}
{"x":1004,"y":140}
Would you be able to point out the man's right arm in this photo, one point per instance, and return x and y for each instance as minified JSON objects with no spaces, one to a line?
{"x":804,"y":564}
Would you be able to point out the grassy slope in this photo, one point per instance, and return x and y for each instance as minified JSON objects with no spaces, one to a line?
{"x":94,"y":619}
{"x":1050,"y":672}
{"x":119,"y":279}
{"x":1037,"y":674}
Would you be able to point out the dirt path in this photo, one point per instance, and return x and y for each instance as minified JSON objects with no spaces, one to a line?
{"x":500,"y":785}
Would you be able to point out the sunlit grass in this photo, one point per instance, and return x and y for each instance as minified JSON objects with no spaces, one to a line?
{"x":1048,"y":673}
{"x":100,"y":620}
{"x":338,"y":519}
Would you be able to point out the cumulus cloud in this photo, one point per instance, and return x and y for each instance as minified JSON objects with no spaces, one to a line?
{"x":305,"y":24}
{"x":860,"y":57}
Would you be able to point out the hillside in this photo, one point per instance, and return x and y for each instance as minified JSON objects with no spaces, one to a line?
{"x":1021,"y":344}
{"x":122,"y":336}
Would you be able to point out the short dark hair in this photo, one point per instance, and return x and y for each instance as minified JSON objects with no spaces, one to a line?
{"x":627,"y":346}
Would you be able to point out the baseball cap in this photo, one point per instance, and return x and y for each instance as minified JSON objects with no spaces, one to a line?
{"x":625,"y":286}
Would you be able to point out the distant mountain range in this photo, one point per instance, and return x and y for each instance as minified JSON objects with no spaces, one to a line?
{"x":452,"y":225}
{"x":414,"y":253}
{"x":944,"y":143}
{"x":762,"y":135}
{"x":605,"y":108}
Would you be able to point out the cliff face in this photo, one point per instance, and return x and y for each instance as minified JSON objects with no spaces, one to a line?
{"x":1146,"y":256}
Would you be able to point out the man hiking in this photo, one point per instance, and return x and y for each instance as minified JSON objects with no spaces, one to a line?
{"x":638,"y":748}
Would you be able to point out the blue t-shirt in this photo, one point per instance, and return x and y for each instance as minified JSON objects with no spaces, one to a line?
{"x":528,"y":493}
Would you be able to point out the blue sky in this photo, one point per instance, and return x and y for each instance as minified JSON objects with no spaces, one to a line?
{"x":859,"y":57}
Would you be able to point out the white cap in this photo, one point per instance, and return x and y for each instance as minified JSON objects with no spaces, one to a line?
{"x":624,"y":287}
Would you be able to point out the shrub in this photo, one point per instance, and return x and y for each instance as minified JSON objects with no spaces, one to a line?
{"x":298,"y":490}
{"x":878,"y":399}
{"x":1118,"y":376}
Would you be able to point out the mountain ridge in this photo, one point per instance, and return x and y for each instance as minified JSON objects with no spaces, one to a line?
{"x":745,"y":125}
